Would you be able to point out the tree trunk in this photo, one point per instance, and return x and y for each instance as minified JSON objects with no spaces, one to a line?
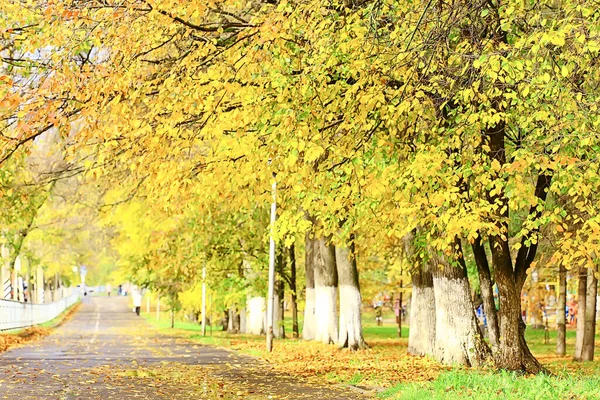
{"x":509,"y":354}
{"x":278,"y":328}
{"x":255,"y":316}
{"x":225,"y":320}
{"x":487,"y":293}
{"x":458,"y":339}
{"x":581,"y":309}
{"x":243,"y":321}
{"x":233,"y":321}
{"x":513,"y":353}
{"x":278,"y":300}
{"x":587,"y":351}
{"x":350,"y":300}
{"x":308,"y":329}
{"x":326,"y":287}
{"x":421,"y":335}
{"x":229,"y":321}
{"x":293,"y":290}
{"x":400,"y":311}
{"x":561,"y":323}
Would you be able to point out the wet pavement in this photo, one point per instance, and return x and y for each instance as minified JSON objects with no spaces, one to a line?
{"x":105,"y":351}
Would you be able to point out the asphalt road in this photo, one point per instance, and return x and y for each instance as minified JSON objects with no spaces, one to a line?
{"x":106,"y":352}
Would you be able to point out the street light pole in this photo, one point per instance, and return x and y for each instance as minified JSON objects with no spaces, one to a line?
{"x":271,"y":290}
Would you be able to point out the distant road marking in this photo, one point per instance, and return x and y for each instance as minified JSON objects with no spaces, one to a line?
{"x":97,"y":326}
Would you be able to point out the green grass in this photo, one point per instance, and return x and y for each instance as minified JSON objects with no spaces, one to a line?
{"x":370,"y":328}
{"x":372,"y":331}
{"x":572,"y":380}
{"x":465,"y":384}
{"x":165,"y":323}
{"x":535,"y":340}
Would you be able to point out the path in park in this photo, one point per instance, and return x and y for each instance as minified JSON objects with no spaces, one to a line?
{"x":106,"y":352}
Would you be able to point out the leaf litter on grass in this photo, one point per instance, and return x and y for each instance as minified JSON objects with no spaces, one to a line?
{"x":203,"y":381}
{"x":385,"y":363}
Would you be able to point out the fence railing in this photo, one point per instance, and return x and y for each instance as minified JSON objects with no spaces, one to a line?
{"x":16,"y":315}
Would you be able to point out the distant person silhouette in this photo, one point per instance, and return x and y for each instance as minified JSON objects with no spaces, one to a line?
{"x":137,"y":301}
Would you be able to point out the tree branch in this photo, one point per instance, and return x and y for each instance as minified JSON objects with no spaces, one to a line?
{"x":526,"y":253}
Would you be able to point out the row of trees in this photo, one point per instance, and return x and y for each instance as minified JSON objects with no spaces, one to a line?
{"x":449,"y":132}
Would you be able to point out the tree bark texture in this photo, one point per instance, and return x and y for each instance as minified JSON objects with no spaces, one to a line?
{"x":326,"y":291}
{"x":400,"y":310}
{"x":225,"y":320}
{"x":458,"y":339}
{"x":487,"y":293}
{"x":293,"y":290}
{"x":581,"y":309}
{"x":278,"y":308}
{"x":278,"y":300}
{"x":233,"y":322}
{"x":308,"y":329}
{"x":513,"y":353}
{"x":587,"y":350}
{"x":243,"y":321}
{"x":421,"y":335}
{"x":561,"y":320}
{"x":350,"y":334}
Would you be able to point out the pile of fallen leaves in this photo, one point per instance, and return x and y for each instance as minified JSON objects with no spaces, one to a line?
{"x":385,"y":363}
{"x":10,"y":340}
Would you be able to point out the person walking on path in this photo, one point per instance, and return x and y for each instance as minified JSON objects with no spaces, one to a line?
{"x":137,"y":301}
{"x":379,"y":316}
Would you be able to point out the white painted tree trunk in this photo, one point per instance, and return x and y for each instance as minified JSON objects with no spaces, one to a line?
{"x":421,"y":336}
{"x":230,"y":321}
{"x":326,"y":316}
{"x":255,"y":315}
{"x":350,"y":334}
{"x":243,"y":320}
{"x":326,"y":281}
{"x":308,"y":329}
{"x":457,"y":336}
